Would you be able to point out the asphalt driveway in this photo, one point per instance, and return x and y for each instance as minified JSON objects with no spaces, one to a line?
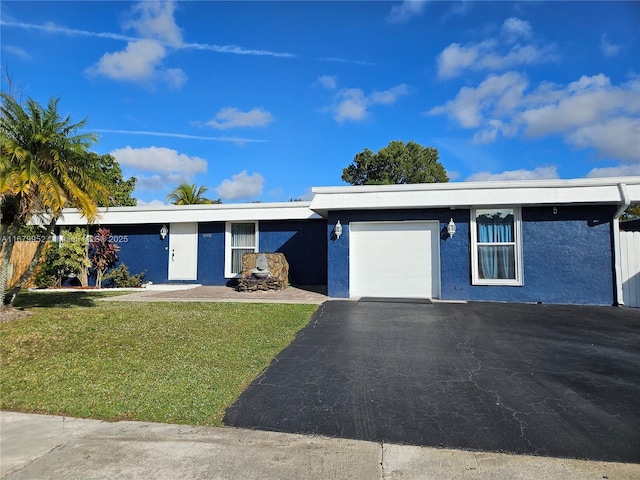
{"x":537,"y":379}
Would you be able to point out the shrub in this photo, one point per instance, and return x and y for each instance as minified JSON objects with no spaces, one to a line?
{"x":73,"y":257}
{"x":47,"y":274}
{"x":105,"y":253}
{"x":121,"y":278}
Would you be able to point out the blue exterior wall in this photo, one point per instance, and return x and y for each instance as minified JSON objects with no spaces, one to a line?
{"x":567,"y":256}
{"x":454,"y":254}
{"x":302,"y":242}
{"x":141,"y":250}
{"x":145,"y":251}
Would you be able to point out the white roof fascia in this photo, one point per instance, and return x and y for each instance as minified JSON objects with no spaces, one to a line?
{"x":194,"y":213}
{"x":588,"y":191}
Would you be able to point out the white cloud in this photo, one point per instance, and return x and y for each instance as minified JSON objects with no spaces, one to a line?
{"x":589,"y":113}
{"x":52,"y":28}
{"x":406,"y":10}
{"x":540,"y":173}
{"x":494,"y":54}
{"x":455,"y":58}
{"x":161,"y":182}
{"x":17,"y":51}
{"x":174,"y":77}
{"x":237,"y":50}
{"x":159,"y":159}
{"x":472,"y":106}
{"x":141,"y":60}
{"x":387,"y":97}
{"x":234,"y":118}
{"x":617,"y":138}
{"x":155,"y":20}
{"x":514,"y":27}
{"x":346,"y":60}
{"x":624,"y":170}
{"x":152,"y":203}
{"x":458,"y":9}
{"x":607,"y":48}
{"x":240,"y":186}
{"x":149,"y":133}
{"x":138,"y":61}
{"x":327,"y":81}
{"x":351,"y":104}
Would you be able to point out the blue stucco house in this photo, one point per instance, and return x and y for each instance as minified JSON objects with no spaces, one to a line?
{"x":549,"y":241}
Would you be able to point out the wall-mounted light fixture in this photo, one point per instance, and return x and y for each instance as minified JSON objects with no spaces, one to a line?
{"x":451,"y":228}
{"x":337,"y":229}
{"x":164,"y":231}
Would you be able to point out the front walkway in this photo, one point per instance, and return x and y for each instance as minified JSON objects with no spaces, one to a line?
{"x":302,"y":294}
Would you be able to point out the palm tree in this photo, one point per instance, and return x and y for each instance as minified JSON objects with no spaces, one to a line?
{"x":185,"y":194}
{"x":44,"y":167}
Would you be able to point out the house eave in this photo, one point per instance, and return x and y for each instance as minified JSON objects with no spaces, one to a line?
{"x":587,"y":191}
{"x":194,"y":213}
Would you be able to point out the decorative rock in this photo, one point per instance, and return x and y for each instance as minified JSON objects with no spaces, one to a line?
{"x":252,"y":284}
{"x":276,"y":265}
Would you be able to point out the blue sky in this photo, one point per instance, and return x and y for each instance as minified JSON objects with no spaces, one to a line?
{"x":264,"y":100}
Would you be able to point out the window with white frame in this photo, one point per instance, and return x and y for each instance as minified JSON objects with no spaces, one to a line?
{"x":496,"y":246}
{"x":240,"y":238}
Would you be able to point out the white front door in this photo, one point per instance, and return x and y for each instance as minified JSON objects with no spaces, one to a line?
{"x":183,"y":251}
{"x":394,"y":259}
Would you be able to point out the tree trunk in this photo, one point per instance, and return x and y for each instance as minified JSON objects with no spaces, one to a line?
{"x":8,"y":240}
{"x":13,"y":293}
{"x":83,"y":275}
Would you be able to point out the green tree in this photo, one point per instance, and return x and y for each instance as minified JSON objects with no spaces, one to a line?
{"x":120,"y":190}
{"x":73,"y":255}
{"x":632,"y":212}
{"x":44,"y":167}
{"x":396,"y":163}
{"x":185,"y":194}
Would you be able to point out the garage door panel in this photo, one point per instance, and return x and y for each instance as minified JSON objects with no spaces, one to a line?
{"x":394,"y":259}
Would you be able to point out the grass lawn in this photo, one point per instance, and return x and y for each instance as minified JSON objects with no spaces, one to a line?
{"x":160,"y":362}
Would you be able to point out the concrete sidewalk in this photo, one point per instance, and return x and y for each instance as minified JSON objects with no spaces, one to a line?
{"x":182,"y":293}
{"x":51,"y":447}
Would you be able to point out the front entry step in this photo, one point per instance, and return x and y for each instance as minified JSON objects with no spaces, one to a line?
{"x":425,"y":301}
{"x":164,"y":287}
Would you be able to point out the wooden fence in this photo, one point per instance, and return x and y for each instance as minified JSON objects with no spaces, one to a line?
{"x":21,"y":257}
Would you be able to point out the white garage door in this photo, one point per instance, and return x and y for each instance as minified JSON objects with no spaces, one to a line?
{"x":394,"y":259}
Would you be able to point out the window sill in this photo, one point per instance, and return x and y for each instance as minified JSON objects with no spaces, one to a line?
{"x":497,"y":283}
